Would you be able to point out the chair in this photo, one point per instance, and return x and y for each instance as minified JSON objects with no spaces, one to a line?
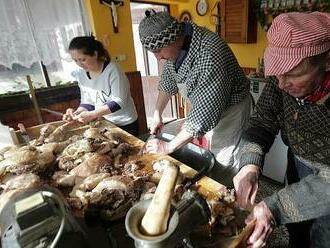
{"x":137,"y":95}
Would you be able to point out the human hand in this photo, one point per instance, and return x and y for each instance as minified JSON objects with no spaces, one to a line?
{"x":69,"y":115}
{"x":158,"y":146}
{"x":157,"y":124}
{"x":246,"y":185}
{"x":86,"y":116}
{"x":264,"y":224}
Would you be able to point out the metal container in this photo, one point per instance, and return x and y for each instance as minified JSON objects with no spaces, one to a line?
{"x":197,"y":158}
{"x":191,"y":212}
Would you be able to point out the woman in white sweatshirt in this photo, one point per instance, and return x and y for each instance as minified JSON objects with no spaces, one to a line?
{"x":104,"y":88}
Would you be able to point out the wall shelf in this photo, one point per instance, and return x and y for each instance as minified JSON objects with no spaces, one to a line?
{"x":268,"y":9}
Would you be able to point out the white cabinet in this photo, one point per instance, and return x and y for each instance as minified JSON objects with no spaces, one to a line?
{"x":276,"y":161}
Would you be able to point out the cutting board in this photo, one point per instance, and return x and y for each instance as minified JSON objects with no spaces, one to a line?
{"x":207,"y":186}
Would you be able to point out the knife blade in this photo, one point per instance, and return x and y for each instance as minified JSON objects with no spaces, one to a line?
{"x":52,"y":112}
{"x":190,"y":181}
{"x":151,"y":136}
{"x":26,"y":138}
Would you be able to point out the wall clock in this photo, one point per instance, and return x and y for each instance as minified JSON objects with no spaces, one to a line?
{"x":201,"y":7}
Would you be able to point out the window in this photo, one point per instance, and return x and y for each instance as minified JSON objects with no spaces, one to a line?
{"x":35,"y":33}
{"x":149,"y":66}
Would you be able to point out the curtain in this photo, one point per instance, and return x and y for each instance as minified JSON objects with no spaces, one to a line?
{"x":17,"y":44}
{"x":34,"y":30}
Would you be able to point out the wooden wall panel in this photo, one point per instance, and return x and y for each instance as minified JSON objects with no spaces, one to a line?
{"x":28,"y":116}
{"x":238,"y":23}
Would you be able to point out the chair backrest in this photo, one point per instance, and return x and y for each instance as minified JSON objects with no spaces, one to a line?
{"x":137,"y":95}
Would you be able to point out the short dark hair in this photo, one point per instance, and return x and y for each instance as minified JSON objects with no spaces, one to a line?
{"x":89,"y":45}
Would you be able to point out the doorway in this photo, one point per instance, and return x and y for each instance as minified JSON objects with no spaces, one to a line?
{"x":147,"y":64}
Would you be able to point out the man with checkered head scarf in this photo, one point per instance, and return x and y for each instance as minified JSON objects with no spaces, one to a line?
{"x":295,"y":101}
{"x":202,"y":68}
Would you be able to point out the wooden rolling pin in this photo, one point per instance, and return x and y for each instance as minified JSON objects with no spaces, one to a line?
{"x":154,"y":222}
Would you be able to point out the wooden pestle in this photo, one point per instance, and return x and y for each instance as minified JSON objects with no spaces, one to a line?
{"x":154,"y":222}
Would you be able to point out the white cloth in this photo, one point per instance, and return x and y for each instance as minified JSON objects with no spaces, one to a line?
{"x":111,"y":85}
{"x":34,"y":30}
{"x":225,"y":137}
{"x":223,"y":140}
{"x":8,"y":137}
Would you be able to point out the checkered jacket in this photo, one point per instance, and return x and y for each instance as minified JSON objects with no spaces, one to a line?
{"x":213,"y":78}
{"x":305,"y":128}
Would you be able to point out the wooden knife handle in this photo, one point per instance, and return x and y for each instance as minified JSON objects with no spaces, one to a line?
{"x":155,"y":220}
{"x":21,"y":128}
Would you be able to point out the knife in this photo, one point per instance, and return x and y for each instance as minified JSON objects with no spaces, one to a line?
{"x":52,"y":112}
{"x":190,"y":181}
{"x":26,"y":138}
{"x":151,"y":136}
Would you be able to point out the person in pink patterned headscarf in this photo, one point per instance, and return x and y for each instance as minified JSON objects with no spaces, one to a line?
{"x":295,"y":101}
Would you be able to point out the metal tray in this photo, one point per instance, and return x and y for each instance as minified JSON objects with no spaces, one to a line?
{"x":197,"y":158}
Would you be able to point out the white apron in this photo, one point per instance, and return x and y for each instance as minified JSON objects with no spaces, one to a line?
{"x":224,"y":138}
